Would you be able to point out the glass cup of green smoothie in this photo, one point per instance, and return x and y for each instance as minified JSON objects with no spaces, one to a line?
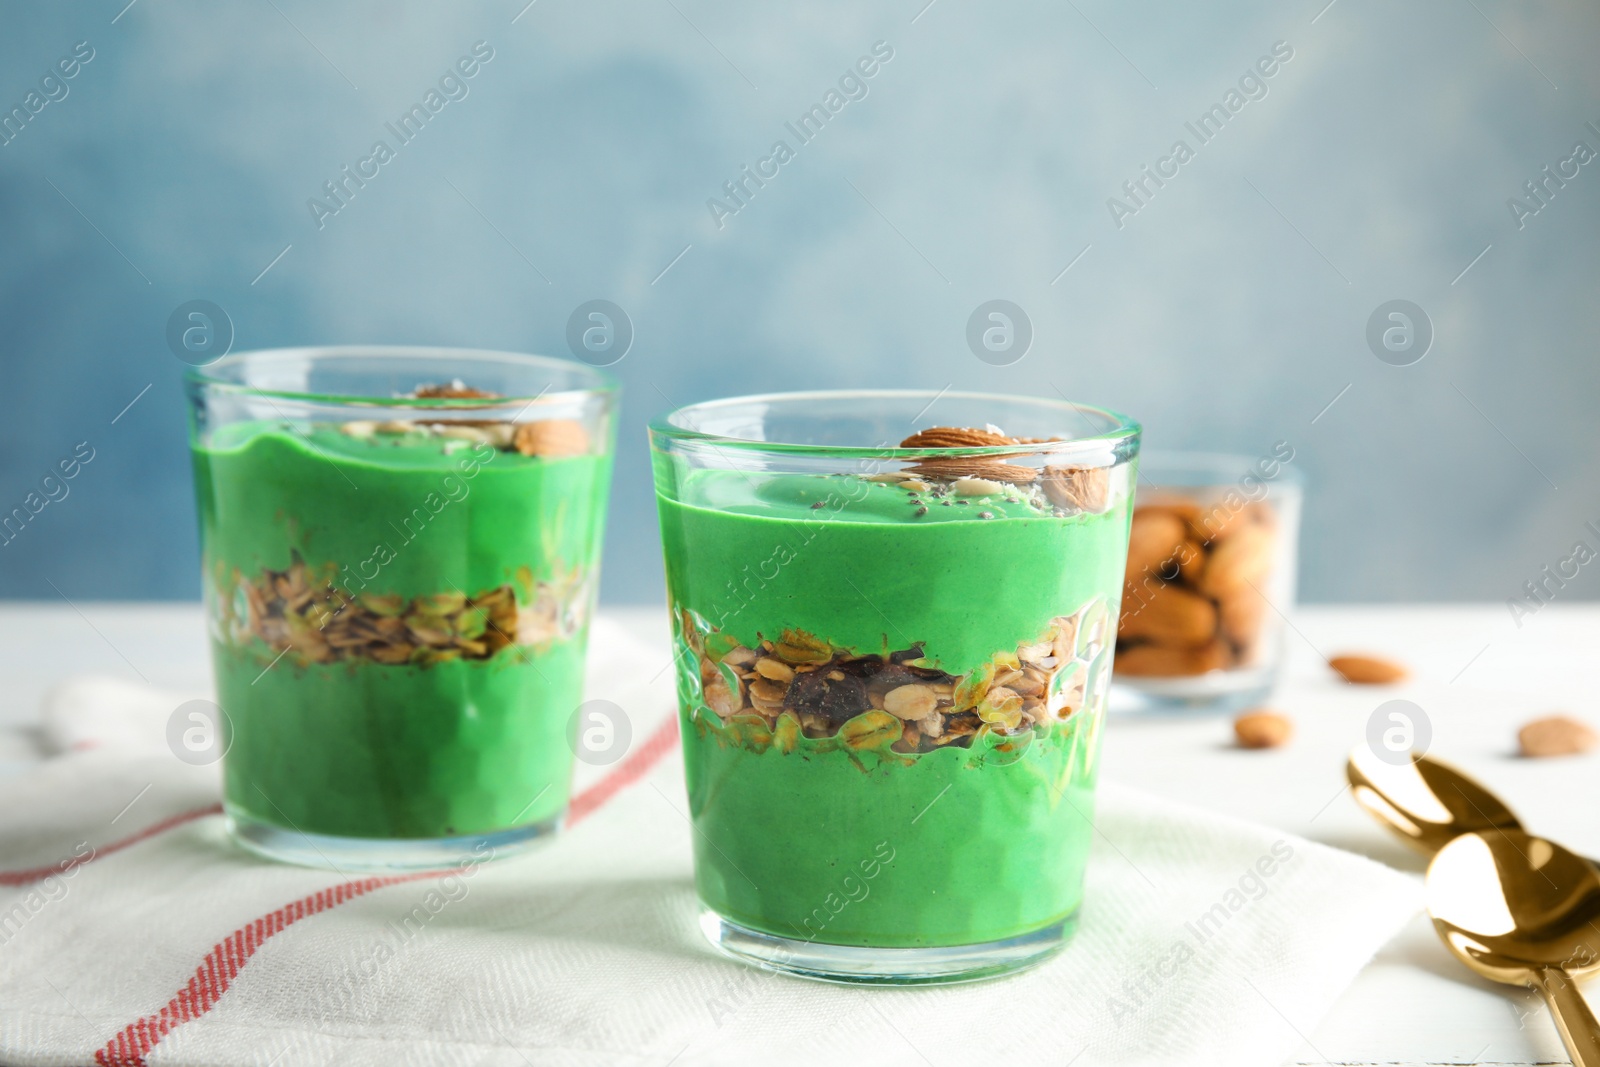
{"x":895,"y":617}
{"x":400,"y":550}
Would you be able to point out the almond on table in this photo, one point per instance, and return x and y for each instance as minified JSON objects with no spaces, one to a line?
{"x":1262,"y":729}
{"x":1368,"y":670}
{"x":1555,"y":735}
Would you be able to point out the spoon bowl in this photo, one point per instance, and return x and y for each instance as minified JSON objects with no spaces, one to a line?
{"x":1522,"y":910}
{"x":1425,"y":802}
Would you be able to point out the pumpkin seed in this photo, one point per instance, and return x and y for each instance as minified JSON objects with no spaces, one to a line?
{"x":869,"y":730}
{"x":786,"y":734}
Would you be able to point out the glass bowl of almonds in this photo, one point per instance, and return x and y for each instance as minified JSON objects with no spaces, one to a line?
{"x":1210,"y":579}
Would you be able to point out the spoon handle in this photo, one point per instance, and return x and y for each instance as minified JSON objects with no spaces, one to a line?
{"x":1580,"y":1031}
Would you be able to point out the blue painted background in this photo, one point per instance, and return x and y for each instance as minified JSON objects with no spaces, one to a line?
{"x":1226,"y":312}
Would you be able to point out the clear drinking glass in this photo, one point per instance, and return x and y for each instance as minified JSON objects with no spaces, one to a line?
{"x":893,"y":659}
{"x":399,"y":551}
{"x":1210,"y":579}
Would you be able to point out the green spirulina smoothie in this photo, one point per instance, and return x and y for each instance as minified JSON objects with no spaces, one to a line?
{"x":398,"y":625}
{"x":810,"y":602}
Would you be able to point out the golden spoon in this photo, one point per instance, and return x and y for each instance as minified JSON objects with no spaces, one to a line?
{"x":1424,"y":801}
{"x":1524,"y":911}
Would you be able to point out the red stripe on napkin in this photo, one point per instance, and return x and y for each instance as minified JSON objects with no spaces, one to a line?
{"x":636,"y":766}
{"x":218,"y":970}
{"x":212,"y":978}
{"x":39,"y":873}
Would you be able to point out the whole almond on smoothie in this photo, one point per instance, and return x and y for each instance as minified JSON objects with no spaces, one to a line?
{"x":1078,"y":488}
{"x":994,"y":470}
{"x":956,"y":437}
{"x":552,"y":438}
{"x":990,"y":468}
{"x":1367,"y":670}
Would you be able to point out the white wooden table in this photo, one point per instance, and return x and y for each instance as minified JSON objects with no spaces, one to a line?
{"x":1475,"y":674}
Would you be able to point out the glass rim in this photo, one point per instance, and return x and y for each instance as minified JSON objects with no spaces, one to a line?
{"x":1123,"y":427}
{"x":603,"y":383}
{"x":1229,"y":467}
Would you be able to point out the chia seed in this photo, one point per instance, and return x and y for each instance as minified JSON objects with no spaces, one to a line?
{"x":817,"y":505}
{"x":985,"y":514}
{"x":921,"y":511}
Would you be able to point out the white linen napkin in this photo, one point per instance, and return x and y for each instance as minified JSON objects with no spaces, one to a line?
{"x":133,"y":932}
